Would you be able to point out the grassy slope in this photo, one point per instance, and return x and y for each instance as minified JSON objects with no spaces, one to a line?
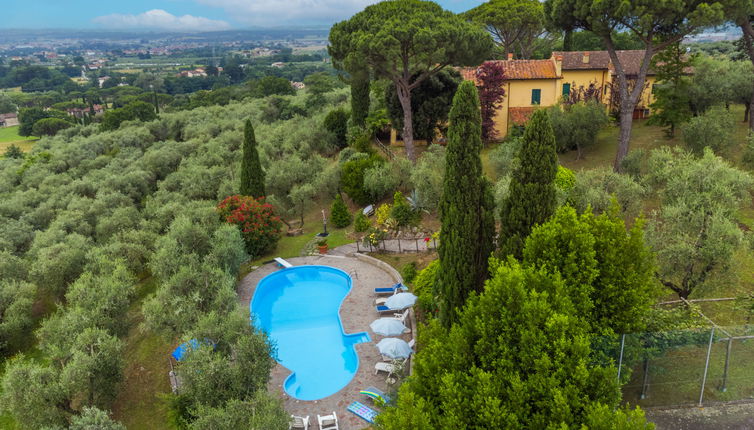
{"x":9,"y":136}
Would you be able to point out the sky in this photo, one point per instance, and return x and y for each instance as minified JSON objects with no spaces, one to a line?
{"x":184,"y":15}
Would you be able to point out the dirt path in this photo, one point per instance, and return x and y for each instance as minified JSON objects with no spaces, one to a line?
{"x":739,"y":416}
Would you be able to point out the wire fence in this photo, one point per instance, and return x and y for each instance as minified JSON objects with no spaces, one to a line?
{"x":683,"y":367}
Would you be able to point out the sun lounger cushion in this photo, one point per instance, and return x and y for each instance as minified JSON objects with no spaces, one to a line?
{"x":375,"y":394}
{"x":363,"y":411}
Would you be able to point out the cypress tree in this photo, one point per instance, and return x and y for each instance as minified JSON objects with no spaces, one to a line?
{"x":531,"y":196}
{"x":359,"y":98}
{"x":465,"y":208}
{"x":252,"y":175}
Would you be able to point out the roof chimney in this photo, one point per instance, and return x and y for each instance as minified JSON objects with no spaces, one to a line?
{"x":585,"y":60}
{"x":510,"y":55}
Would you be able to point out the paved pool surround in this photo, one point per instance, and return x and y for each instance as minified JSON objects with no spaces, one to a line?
{"x":356,"y":312}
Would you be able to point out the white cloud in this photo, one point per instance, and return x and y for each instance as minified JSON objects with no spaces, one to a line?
{"x":271,"y":13}
{"x":162,"y":20}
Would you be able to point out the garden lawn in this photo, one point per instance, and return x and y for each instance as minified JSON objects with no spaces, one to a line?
{"x":9,"y":136}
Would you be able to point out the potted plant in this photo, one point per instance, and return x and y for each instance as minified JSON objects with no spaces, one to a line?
{"x":322,"y":245}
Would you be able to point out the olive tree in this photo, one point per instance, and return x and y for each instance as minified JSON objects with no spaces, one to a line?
{"x":695,"y":233}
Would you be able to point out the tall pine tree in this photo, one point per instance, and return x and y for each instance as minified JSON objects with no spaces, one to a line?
{"x":466,"y":208}
{"x":252,"y":175}
{"x":531,"y":196}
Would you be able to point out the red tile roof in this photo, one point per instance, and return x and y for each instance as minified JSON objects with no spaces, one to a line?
{"x":584,"y":60}
{"x":520,"y":69}
{"x":590,"y":60}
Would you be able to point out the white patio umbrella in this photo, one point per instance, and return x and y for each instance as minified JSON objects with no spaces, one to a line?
{"x":388,"y":326}
{"x":394,"y":348}
{"x":400,"y":301}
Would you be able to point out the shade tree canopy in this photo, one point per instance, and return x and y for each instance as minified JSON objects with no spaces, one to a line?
{"x":657,"y":24}
{"x":406,"y":42}
{"x":514,"y":24}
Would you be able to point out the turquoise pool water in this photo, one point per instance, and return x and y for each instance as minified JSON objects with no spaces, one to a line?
{"x":299,"y":308}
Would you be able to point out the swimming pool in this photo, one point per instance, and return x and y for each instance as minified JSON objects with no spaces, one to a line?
{"x":299,"y":308}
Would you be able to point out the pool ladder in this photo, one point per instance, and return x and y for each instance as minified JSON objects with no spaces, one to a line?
{"x":353,"y":274}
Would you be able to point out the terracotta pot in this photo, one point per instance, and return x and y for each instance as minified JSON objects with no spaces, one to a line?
{"x":323,"y":249}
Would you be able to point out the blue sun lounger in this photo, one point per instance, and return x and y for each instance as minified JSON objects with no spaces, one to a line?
{"x":390,"y":290}
{"x":362,"y":411}
{"x":375,"y":394}
{"x":383,"y":308}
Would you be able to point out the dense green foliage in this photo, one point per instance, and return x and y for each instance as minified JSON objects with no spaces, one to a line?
{"x":718,"y":80}
{"x":336,"y":122}
{"x":424,"y":287}
{"x":252,"y":175}
{"x":381,"y":180}
{"x":28,"y":117}
{"x":359,"y":98}
{"x":671,"y":92}
{"x":13,"y":151}
{"x":96,"y":210}
{"x":430,"y":103}
{"x":608,"y":273}
{"x":361,"y":222}
{"x":352,"y":177}
{"x":406,"y":42}
{"x":576,"y":125}
{"x":339,"y":214}
{"x":466,"y":213}
{"x":514,"y":24}
{"x":713,"y":129}
{"x":531,"y":196}
{"x":49,"y":126}
{"x":16,"y":300}
{"x":481,"y":371}
{"x":137,"y":110}
{"x":695,"y":233}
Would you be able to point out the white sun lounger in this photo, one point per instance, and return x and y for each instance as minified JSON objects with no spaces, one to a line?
{"x":389,"y":368}
{"x":402,"y":317}
{"x":283,"y":263}
{"x":328,"y":422}
{"x":299,"y":423}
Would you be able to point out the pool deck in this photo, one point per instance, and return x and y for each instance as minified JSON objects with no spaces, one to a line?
{"x":356,"y":313}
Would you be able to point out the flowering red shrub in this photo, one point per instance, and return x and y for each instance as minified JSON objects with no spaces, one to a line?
{"x":259,"y":225}
{"x":490,"y":78}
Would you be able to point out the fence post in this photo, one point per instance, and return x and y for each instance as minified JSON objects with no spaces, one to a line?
{"x":620,"y":358}
{"x":357,"y":247}
{"x":706,"y":365}
{"x":727,"y":361}
{"x":417,"y":244}
{"x":399,"y":246}
{"x":646,"y":379}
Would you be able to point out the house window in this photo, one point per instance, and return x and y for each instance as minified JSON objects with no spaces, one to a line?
{"x":536,"y":96}
{"x":566,"y":89}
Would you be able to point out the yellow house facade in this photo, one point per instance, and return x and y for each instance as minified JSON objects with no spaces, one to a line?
{"x":534,"y":83}
{"x":531,"y":84}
